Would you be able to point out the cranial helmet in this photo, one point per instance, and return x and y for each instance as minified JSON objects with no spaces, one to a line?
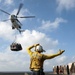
{"x":39,"y":48}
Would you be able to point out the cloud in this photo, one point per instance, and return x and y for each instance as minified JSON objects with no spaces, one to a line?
{"x":8,"y":1}
{"x":65,"y":4}
{"x":0,"y":0}
{"x":32,"y":37}
{"x":48,"y":25}
{"x":6,"y":31}
{"x":13,"y":61}
{"x":21,"y":13}
{"x":72,"y":59}
{"x":21,"y":59}
{"x":61,"y":59}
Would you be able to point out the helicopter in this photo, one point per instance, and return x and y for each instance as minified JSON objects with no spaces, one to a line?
{"x":16,"y":24}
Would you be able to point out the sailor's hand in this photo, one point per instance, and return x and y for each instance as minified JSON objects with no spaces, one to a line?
{"x":36,"y":45}
{"x":61,"y":51}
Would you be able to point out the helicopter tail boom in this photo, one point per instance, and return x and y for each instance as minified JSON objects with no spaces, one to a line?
{"x":21,"y":30}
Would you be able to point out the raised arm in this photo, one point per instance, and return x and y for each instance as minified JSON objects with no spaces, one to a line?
{"x":53,"y":55}
{"x":30,"y":47}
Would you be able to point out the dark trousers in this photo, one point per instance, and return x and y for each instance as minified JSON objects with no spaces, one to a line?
{"x":40,"y":72}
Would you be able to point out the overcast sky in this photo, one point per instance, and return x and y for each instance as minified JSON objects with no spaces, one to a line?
{"x":53,"y":27}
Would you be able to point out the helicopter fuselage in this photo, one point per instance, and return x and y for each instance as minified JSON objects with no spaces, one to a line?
{"x":15,"y":22}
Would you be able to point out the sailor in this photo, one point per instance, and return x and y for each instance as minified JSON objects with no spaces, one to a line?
{"x":37,"y":58}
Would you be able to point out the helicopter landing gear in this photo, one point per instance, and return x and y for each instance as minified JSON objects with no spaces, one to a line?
{"x":20,"y":27}
{"x":13,"y":27}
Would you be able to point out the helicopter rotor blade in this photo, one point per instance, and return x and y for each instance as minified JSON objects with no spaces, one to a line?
{"x":19,"y":8}
{"x":4,"y":11}
{"x":5,"y":20}
{"x":27,"y":17}
{"x":19,"y":22}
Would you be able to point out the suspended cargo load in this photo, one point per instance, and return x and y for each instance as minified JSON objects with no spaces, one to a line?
{"x":15,"y":47}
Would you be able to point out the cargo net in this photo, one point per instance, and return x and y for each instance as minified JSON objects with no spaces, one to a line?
{"x":15,"y":46}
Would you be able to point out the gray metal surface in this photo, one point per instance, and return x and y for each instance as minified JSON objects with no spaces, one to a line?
{"x":22,"y":73}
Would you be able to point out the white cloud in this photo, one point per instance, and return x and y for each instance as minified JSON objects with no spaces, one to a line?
{"x":0,"y":0}
{"x":6,"y":31}
{"x":21,"y":13}
{"x":13,"y":61}
{"x":32,"y":37}
{"x":61,"y":59}
{"x":65,"y":4}
{"x":8,"y":1}
{"x":72,"y":59}
{"x":48,"y":25}
{"x":21,"y":59}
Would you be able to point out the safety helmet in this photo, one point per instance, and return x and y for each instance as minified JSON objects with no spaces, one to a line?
{"x":39,"y":48}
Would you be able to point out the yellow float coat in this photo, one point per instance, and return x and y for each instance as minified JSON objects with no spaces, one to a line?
{"x":37,"y":59}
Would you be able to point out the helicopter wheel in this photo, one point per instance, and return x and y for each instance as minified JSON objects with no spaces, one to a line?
{"x":20,"y":27}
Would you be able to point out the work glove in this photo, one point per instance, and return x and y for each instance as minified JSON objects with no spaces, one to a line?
{"x":60,"y":51}
{"x":36,"y":45}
